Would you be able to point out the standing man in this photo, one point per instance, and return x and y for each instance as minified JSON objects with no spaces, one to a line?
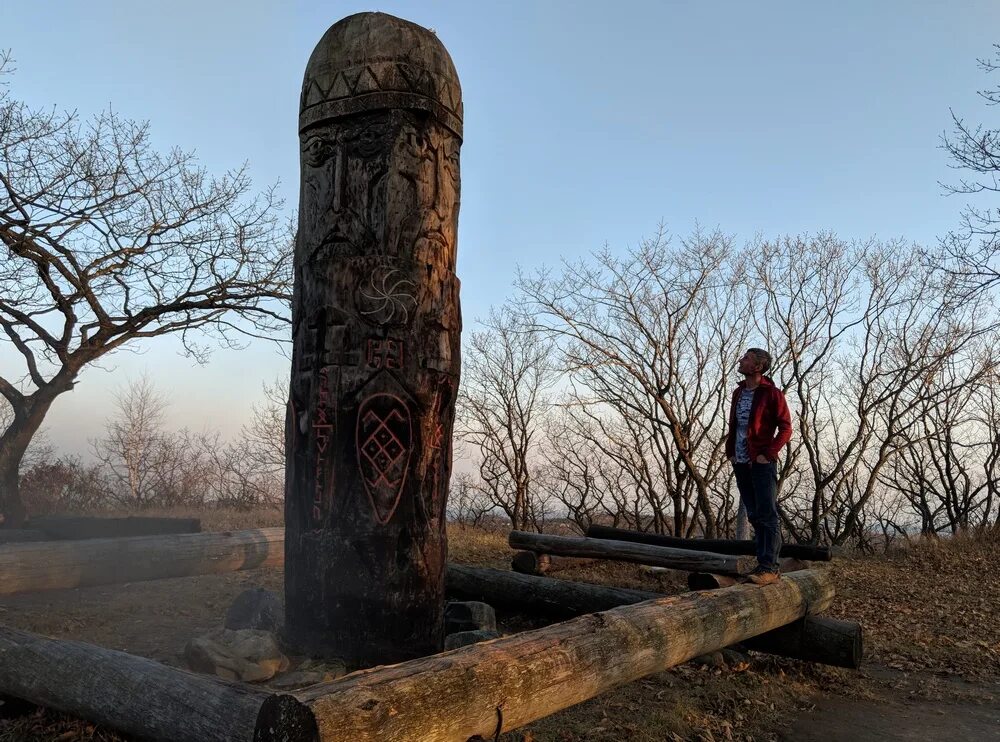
{"x":759,"y":425}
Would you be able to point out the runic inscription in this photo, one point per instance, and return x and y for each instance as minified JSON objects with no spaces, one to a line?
{"x":322,"y":434}
{"x":384,"y":439}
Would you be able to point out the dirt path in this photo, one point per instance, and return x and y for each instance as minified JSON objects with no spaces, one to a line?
{"x":917,"y":706}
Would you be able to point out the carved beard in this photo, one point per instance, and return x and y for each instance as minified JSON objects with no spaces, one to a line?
{"x":382,"y":183}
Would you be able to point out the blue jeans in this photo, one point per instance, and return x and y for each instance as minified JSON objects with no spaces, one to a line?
{"x":758,"y":487}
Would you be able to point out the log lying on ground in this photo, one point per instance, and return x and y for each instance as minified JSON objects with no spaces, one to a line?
{"x":717,"y":546}
{"x":530,"y":563}
{"x":142,"y":697}
{"x":542,"y":596}
{"x":828,"y":641}
{"x":52,"y":565}
{"x":506,"y":683}
{"x":71,"y":527}
{"x":814,"y":638}
{"x":709,"y":581}
{"x":624,"y":551}
{"x":20,"y":535}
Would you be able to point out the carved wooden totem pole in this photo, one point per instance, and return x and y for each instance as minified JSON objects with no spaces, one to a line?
{"x":375,"y":363}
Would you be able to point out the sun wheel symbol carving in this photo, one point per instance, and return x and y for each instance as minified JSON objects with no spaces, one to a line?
{"x":384,"y":443}
{"x":390,"y":297}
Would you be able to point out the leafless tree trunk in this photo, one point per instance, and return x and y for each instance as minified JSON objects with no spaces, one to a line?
{"x":651,"y":338}
{"x":108,"y":241}
{"x":507,"y":372}
{"x":133,"y":446}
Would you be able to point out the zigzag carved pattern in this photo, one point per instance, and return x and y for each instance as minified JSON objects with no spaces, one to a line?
{"x":382,"y":77}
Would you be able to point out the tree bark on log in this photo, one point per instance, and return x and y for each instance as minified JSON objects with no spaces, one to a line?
{"x":709,"y":581}
{"x":718,"y":546}
{"x":376,"y":344}
{"x":828,"y":641}
{"x":142,"y":697}
{"x":530,"y":563}
{"x":537,"y":595}
{"x":813,"y":639}
{"x":53,"y":565}
{"x":624,"y":551}
{"x":74,"y":528}
{"x":21,"y":535}
{"x":506,"y":683}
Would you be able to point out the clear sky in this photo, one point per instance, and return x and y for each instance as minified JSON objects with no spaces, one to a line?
{"x":586,"y":123}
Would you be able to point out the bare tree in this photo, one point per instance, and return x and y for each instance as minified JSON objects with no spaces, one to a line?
{"x":264,"y":435}
{"x":107,"y":241}
{"x":652,"y":337}
{"x":134,"y":448}
{"x":467,"y":503}
{"x":507,"y":371}
{"x":975,"y":150}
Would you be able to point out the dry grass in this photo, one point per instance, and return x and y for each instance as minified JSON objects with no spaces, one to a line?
{"x":928,"y":614}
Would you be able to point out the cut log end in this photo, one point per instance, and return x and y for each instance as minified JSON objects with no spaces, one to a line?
{"x":828,"y":641}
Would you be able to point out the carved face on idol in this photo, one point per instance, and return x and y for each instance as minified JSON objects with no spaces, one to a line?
{"x":381,"y":183}
{"x":344,"y":169}
{"x":427,"y":157}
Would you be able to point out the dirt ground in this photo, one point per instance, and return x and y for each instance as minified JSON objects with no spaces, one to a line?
{"x":932,"y":653}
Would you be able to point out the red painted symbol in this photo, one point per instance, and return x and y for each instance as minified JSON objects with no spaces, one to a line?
{"x":322,"y":433}
{"x":384,"y":444}
{"x":437,"y":437}
{"x":386,"y":353}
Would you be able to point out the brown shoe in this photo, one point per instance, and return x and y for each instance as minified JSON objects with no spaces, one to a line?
{"x":763,"y":578}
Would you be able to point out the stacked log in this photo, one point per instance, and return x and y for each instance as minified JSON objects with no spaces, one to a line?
{"x":657,"y":556}
{"x":496,"y":686}
{"x":709,"y":581}
{"x":814,"y":638}
{"x":541,"y":596}
{"x":142,"y":697}
{"x":72,"y":527}
{"x":53,"y":565}
{"x":717,"y":546}
{"x":532,"y":563}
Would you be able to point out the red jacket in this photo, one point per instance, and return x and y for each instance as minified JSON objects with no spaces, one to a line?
{"x":770,"y":425}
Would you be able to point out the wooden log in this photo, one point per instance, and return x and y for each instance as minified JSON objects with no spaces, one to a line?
{"x":144,"y":698}
{"x":815,"y":639}
{"x":709,"y":581}
{"x":376,"y":344}
{"x":53,"y":565}
{"x":72,"y":527}
{"x":20,"y":535}
{"x":717,"y":546}
{"x":499,"y":685}
{"x":657,"y":556}
{"x":531,"y":563}
{"x":536,"y":595}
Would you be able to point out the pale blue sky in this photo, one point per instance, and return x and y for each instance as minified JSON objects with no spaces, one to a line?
{"x":586,"y":123}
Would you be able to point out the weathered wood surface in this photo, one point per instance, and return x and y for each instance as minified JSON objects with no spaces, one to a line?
{"x":376,"y":343}
{"x":828,"y":641}
{"x":531,"y":563}
{"x":717,"y":546}
{"x":52,"y":565}
{"x":709,"y":581}
{"x":625,"y":551}
{"x":20,"y":535}
{"x":543,"y":596}
{"x":814,"y":638}
{"x":73,"y":527}
{"x":142,"y":697}
{"x":506,"y":683}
